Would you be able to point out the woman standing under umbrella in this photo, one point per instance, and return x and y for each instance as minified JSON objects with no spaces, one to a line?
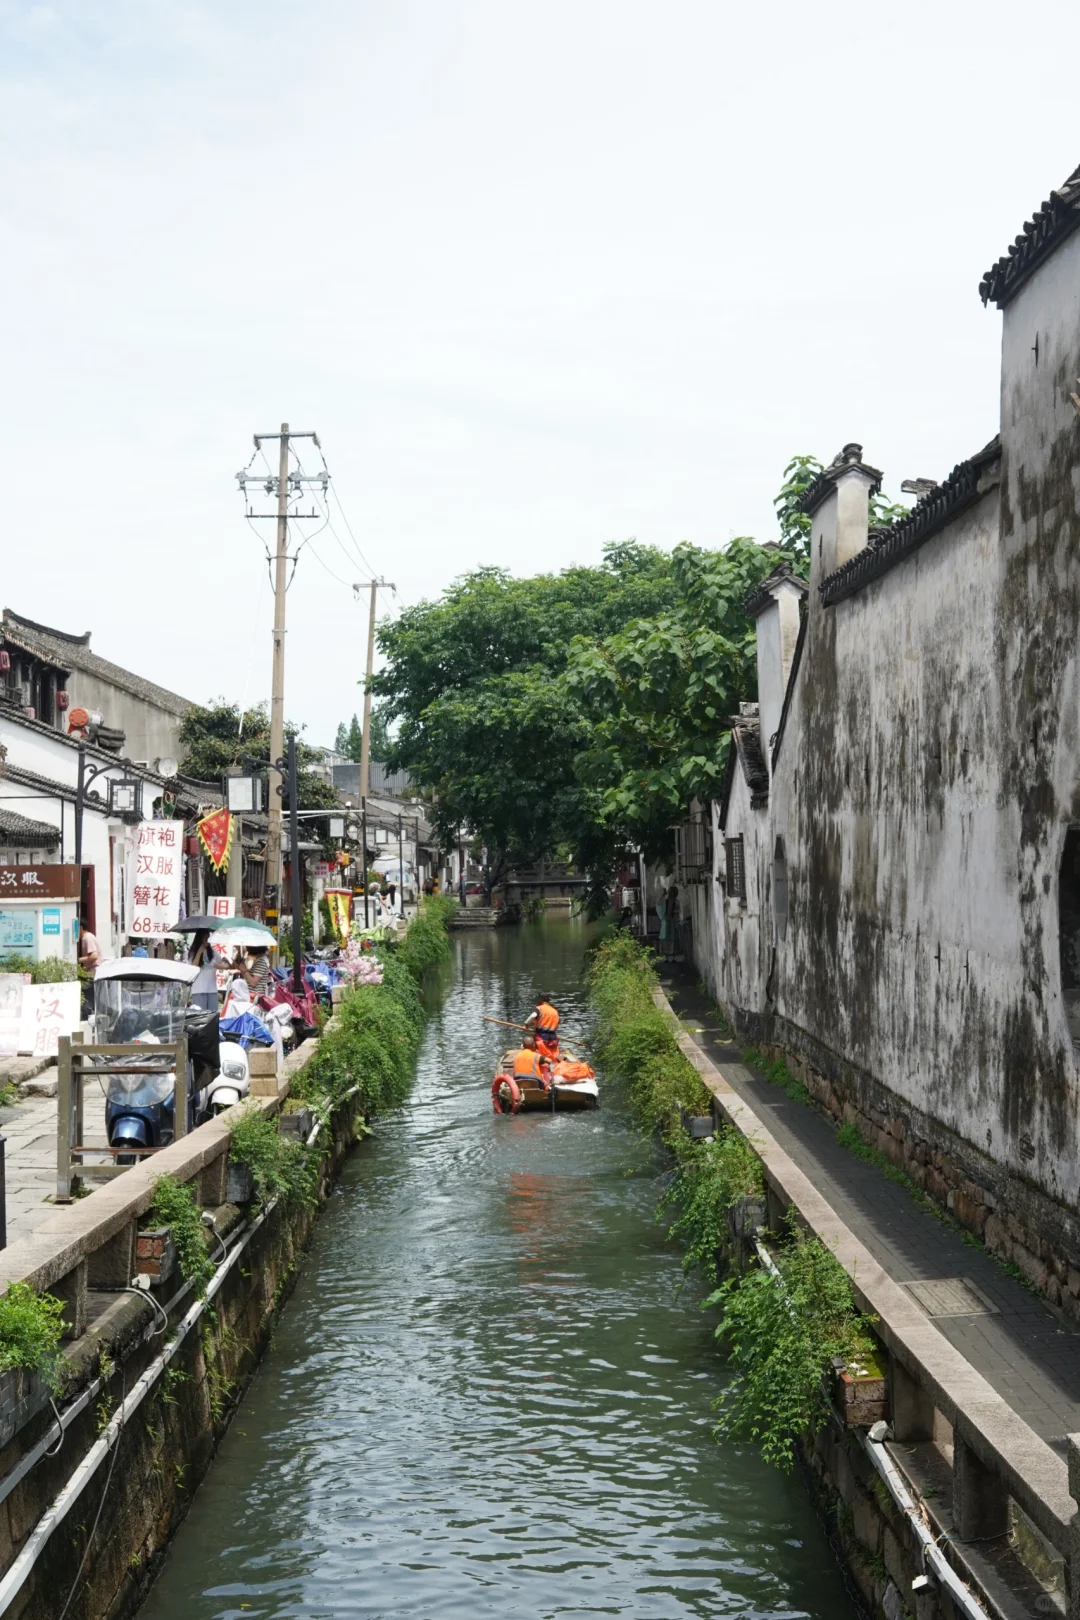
{"x":204,"y":992}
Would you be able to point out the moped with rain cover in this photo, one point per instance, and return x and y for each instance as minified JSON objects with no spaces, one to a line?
{"x":148,"y":1001}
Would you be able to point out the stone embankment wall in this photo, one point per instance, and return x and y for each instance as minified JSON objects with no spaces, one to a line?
{"x":105,"y":1552}
{"x":920,"y":1514}
{"x":1016,"y":1220}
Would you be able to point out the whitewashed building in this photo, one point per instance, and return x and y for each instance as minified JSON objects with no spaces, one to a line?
{"x":893,"y":893}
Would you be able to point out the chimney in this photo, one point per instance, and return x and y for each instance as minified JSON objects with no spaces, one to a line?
{"x":838,"y":501}
{"x":774,"y":605}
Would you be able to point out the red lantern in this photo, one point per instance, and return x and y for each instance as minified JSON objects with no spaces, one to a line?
{"x":5,"y":659}
{"x":62,"y":700}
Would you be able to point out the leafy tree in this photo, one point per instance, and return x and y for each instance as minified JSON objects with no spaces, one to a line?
{"x":213,"y":739}
{"x":485,"y":721}
{"x":660,"y":693}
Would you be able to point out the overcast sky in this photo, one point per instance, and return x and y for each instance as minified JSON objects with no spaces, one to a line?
{"x":541,"y":276}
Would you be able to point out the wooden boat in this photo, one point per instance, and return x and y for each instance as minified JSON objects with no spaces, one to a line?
{"x":570,"y":1084}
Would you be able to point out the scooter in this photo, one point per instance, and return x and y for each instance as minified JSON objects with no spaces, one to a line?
{"x":147,"y":1001}
{"x":234,"y":1079}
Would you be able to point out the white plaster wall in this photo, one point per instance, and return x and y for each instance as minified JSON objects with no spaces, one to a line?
{"x":150,"y":733}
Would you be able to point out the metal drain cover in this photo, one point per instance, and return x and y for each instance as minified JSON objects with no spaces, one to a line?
{"x":951,"y":1296}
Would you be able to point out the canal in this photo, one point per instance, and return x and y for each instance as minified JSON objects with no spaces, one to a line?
{"x":490,"y":1393}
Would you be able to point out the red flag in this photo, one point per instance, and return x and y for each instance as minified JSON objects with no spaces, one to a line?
{"x":215,"y":834}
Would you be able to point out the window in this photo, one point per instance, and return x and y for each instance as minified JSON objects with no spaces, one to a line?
{"x":1069,"y":930}
{"x":736,"y":869}
{"x":780,"y":889}
{"x":692,"y":854}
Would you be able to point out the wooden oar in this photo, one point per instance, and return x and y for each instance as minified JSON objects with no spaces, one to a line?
{"x":504,"y":1024}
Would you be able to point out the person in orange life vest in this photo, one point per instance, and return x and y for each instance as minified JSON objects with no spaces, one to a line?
{"x":526,"y":1063}
{"x":545,"y":1022}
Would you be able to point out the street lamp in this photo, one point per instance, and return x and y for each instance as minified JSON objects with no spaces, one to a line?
{"x":244,"y":795}
{"x":125,"y":793}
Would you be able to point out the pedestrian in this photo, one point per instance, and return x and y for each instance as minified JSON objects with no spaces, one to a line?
{"x":257,"y":973}
{"x":393,"y":895}
{"x":90,"y":958}
{"x":202,"y":955}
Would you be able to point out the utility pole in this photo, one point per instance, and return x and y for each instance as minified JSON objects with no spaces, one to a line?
{"x":277,"y":687}
{"x":283,"y":486}
{"x":365,"y":742}
{"x":294,"y":872}
{"x":401,"y":859}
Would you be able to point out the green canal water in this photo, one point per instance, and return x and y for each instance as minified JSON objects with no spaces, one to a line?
{"x":490,"y":1393}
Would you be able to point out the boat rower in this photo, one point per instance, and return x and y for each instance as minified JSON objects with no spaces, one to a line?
{"x":545,"y":1025}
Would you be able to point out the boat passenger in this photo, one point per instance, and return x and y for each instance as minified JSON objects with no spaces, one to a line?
{"x":545,"y":1022}
{"x":527,"y":1064}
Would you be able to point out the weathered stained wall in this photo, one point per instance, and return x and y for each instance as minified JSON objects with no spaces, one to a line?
{"x":926,"y":776}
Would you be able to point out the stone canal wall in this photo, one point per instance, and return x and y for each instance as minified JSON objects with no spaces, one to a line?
{"x":149,"y":1386}
{"x":954,"y":1505}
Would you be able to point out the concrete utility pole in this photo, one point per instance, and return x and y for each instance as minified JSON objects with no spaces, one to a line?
{"x":283,"y":485}
{"x":365,"y":741}
{"x":277,"y":688}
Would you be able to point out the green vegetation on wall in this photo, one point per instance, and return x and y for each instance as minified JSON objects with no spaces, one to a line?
{"x":176,"y":1207}
{"x":782,"y":1331}
{"x":712,"y":1177}
{"x":636,"y":1042}
{"x":30,"y":1329}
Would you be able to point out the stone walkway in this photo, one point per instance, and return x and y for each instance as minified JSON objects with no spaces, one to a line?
{"x":29,"y":1130}
{"x":1025,"y":1348}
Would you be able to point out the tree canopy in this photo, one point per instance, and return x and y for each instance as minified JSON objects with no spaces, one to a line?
{"x":213,"y":739}
{"x":575,"y":712}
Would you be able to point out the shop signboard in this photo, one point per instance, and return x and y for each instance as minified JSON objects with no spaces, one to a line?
{"x":51,"y":882}
{"x":155,"y":877}
{"x":48,"y":1011}
{"x":221,"y":905}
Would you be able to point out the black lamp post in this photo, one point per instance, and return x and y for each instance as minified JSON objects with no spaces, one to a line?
{"x":125,"y":794}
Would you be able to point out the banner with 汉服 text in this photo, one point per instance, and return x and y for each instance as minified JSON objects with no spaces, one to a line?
{"x":155,"y":878}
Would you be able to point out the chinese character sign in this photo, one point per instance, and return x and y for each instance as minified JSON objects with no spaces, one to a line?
{"x":221,"y":905}
{"x":155,"y":877}
{"x":48,"y":1011}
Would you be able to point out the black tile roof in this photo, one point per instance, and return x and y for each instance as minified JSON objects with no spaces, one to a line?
{"x":825,"y":482}
{"x":967,"y":481}
{"x":746,"y":738}
{"x":19,"y":832}
{"x":1058,"y":217}
{"x":70,"y":653}
{"x":761,"y":595}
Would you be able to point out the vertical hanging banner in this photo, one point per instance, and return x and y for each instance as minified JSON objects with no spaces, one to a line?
{"x":339,"y":902}
{"x":155,"y":877}
{"x":215,"y":835}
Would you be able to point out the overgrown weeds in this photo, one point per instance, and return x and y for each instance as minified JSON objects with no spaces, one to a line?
{"x":279,"y":1168}
{"x":30,"y":1329}
{"x":636,"y":1042}
{"x":777,"y":1073}
{"x":711,"y":1177}
{"x":426,"y":941}
{"x":176,"y":1207}
{"x":781,"y":1332}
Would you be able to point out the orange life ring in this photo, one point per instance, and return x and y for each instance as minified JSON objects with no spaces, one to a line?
{"x":505,"y":1094}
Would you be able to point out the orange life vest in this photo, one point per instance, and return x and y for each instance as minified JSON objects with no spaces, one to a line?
{"x":547,"y":1019}
{"x":527,"y":1064}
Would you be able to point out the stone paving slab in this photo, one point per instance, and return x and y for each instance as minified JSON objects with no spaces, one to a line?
{"x":1027,"y":1352}
{"x":29,"y":1130}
